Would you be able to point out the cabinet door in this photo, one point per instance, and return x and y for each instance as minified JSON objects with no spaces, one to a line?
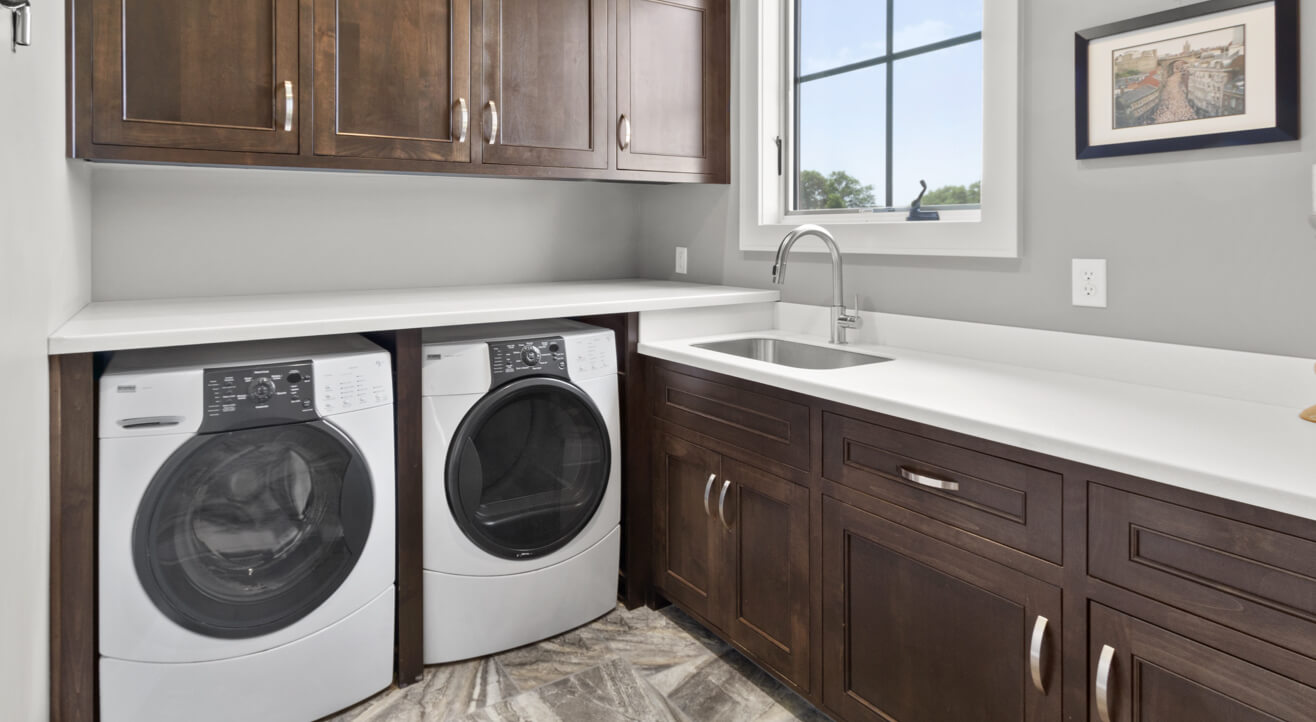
{"x":672,"y":85}
{"x":765,"y":523}
{"x":685,"y":526}
{"x":545,"y":76}
{"x":917,"y":630}
{"x":392,"y":79}
{"x":1153,"y":674}
{"x":201,"y":74}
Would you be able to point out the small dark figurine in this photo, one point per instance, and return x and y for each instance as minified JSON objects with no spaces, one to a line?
{"x":916,"y":212}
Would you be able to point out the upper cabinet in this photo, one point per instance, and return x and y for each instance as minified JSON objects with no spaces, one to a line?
{"x":584,"y":89}
{"x":202,"y":74}
{"x":393,"y":79}
{"x":673,"y":82}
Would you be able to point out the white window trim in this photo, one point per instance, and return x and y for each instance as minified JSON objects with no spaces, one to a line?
{"x":765,"y":85}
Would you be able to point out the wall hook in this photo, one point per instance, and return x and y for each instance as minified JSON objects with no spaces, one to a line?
{"x":20,"y":12}
{"x":916,"y":212}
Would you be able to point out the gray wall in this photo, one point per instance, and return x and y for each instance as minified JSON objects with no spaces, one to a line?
{"x":44,"y":279}
{"x":1209,"y":248}
{"x":164,"y":232}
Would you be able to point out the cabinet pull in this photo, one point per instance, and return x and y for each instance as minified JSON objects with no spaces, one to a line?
{"x":1035,"y":653}
{"x":708,"y":490}
{"x":624,"y":132}
{"x":465,"y":123}
{"x":929,"y":481}
{"x":722,"y":504}
{"x":1103,"y":681}
{"x":493,"y":122}
{"x":289,"y":106}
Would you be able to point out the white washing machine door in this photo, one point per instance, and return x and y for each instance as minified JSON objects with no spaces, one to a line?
{"x":528,"y":468}
{"x":246,"y":532}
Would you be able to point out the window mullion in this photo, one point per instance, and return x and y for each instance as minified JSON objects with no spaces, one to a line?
{"x":890,"y":96}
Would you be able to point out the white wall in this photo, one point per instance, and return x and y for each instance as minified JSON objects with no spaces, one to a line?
{"x":44,"y":278}
{"x":175,"y":231}
{"x":1207,"y":247}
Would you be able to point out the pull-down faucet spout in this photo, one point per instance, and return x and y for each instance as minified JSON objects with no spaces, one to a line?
{"x":841,"y":318}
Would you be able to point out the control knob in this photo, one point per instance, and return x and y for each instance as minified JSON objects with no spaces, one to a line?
{"x":262,"y":389}
{"x":530,"y":356}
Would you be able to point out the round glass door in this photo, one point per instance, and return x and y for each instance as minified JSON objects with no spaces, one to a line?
{"x":245,"y":532}
{"x":528,"y":468}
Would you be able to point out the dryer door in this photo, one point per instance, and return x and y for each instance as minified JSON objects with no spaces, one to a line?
{"x":528,"y":467}
{"x":242,"y":533}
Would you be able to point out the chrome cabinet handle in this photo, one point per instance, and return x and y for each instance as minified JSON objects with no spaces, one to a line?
{"x":1035,"y":653}
{"x":929,"y":481}
{"x":624,"y":132}
{"x":1103,"y":681}
{"x":708,"y":490}
{"x":289,"y":107}
{"x":465,"y":123}
{"x":493,"y":122}
{"x":722,"y":504}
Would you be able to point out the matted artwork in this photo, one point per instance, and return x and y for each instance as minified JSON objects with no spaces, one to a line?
{"x":1216,"y":73}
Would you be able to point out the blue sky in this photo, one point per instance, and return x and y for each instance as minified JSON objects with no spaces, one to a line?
{"x":938,"y":96}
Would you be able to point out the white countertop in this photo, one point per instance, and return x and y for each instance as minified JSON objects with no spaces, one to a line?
{"x":120,"y":325}
{"x":1245,"y":450}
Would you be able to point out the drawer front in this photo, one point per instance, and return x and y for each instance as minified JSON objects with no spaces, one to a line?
{"x":1255,"y":580}
{"x":772,"y":427}
{"x":1008,"y":502}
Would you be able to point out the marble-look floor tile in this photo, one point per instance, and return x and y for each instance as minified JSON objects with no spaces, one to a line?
{"x":730,"y":688}
{"x":652,"y":642}
{"x":445,"y":692}
{"x":608,"y":692}
{"x":538,"y":664}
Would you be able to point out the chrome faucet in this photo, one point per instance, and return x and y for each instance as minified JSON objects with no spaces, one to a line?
{"x":841,"y":318}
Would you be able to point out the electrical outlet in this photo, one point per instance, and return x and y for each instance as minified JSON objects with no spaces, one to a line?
{"x":682,"y":258}
{"x":1089,"y":282}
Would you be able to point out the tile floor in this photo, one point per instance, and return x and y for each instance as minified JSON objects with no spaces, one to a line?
{"x":640,"y":665}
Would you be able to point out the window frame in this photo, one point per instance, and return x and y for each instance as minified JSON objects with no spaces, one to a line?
{"x":767,"y":82}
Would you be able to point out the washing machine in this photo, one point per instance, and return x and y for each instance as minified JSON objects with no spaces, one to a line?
{"x":522,"y":497}
{"x":246,"y":530}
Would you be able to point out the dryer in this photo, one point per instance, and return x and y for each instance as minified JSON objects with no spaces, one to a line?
{"x":246,"y":530}
{"x":522,"y":496}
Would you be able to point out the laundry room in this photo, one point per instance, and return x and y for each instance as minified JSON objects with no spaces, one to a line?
{"x":658,"y":360}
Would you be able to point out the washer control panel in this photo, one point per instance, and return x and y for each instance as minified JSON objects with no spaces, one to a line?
{"x":527,"y":357}
{"x":244,"y":397}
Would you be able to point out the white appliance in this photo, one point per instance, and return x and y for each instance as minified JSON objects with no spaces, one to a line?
{"x":246,"y":530}
{"x":522,"y":484}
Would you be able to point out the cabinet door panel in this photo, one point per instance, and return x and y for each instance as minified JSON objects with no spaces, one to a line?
{"x":671,"y":84}
{"x":391,"y":76}
{"x":915,"y":629}
{"x":203,"y":74}
{"x":768,"y":559}
{"x":545,"y":68}
{"x":687,"y":562}
{"x":1159,"y":676}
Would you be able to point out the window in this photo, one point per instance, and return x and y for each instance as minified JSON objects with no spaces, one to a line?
{"x":848,"y":104}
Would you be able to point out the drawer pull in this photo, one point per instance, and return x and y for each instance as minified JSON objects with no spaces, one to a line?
{"x":722,"y":504}
{"x":708,"y":490}
{"x":1035,"y":653}
{"x":1103,"y":681}
{"x":931,"y":482}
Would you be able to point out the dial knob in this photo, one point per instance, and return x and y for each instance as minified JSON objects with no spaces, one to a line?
{"x":262,"y":389}
{"x":530,"y":356}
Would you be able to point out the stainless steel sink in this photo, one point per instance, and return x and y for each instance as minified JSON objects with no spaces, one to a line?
{"x":790,"y":353}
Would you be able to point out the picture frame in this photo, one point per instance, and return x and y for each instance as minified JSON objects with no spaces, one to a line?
{"x":1208,"y":75}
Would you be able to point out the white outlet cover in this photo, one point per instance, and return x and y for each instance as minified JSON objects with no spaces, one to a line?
{"x":1089,"y":282}
{"x":682,"y":259}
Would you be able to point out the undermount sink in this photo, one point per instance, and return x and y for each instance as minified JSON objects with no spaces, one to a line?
{"x":790,"y":353}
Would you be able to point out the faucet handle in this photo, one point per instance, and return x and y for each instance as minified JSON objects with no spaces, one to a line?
{"x":851,"y":319}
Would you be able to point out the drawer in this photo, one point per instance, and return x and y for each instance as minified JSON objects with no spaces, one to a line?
{"x":770,"y":426}
{"x":1258,"y":581}
{"x":1006,"y":501}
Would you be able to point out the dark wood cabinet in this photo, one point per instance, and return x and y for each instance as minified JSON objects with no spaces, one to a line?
{"x":915,"y":629}
{"x":1142,"y":672}
{"x":673,"y":79}
{"x":544,"y":76}
{"x":732,"y":548}
{"x":203,"y":74}
{"x":392,"y":79}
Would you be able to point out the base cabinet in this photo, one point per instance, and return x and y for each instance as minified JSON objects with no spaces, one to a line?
{"x":732,"y":548}
{"x":915,"y":629}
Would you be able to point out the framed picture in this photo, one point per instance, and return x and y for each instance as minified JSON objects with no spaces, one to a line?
{"x":1218,"y":73}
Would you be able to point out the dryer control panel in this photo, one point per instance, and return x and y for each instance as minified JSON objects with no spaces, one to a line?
{"x":245,"y":397}
{"x":527,"y":357}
